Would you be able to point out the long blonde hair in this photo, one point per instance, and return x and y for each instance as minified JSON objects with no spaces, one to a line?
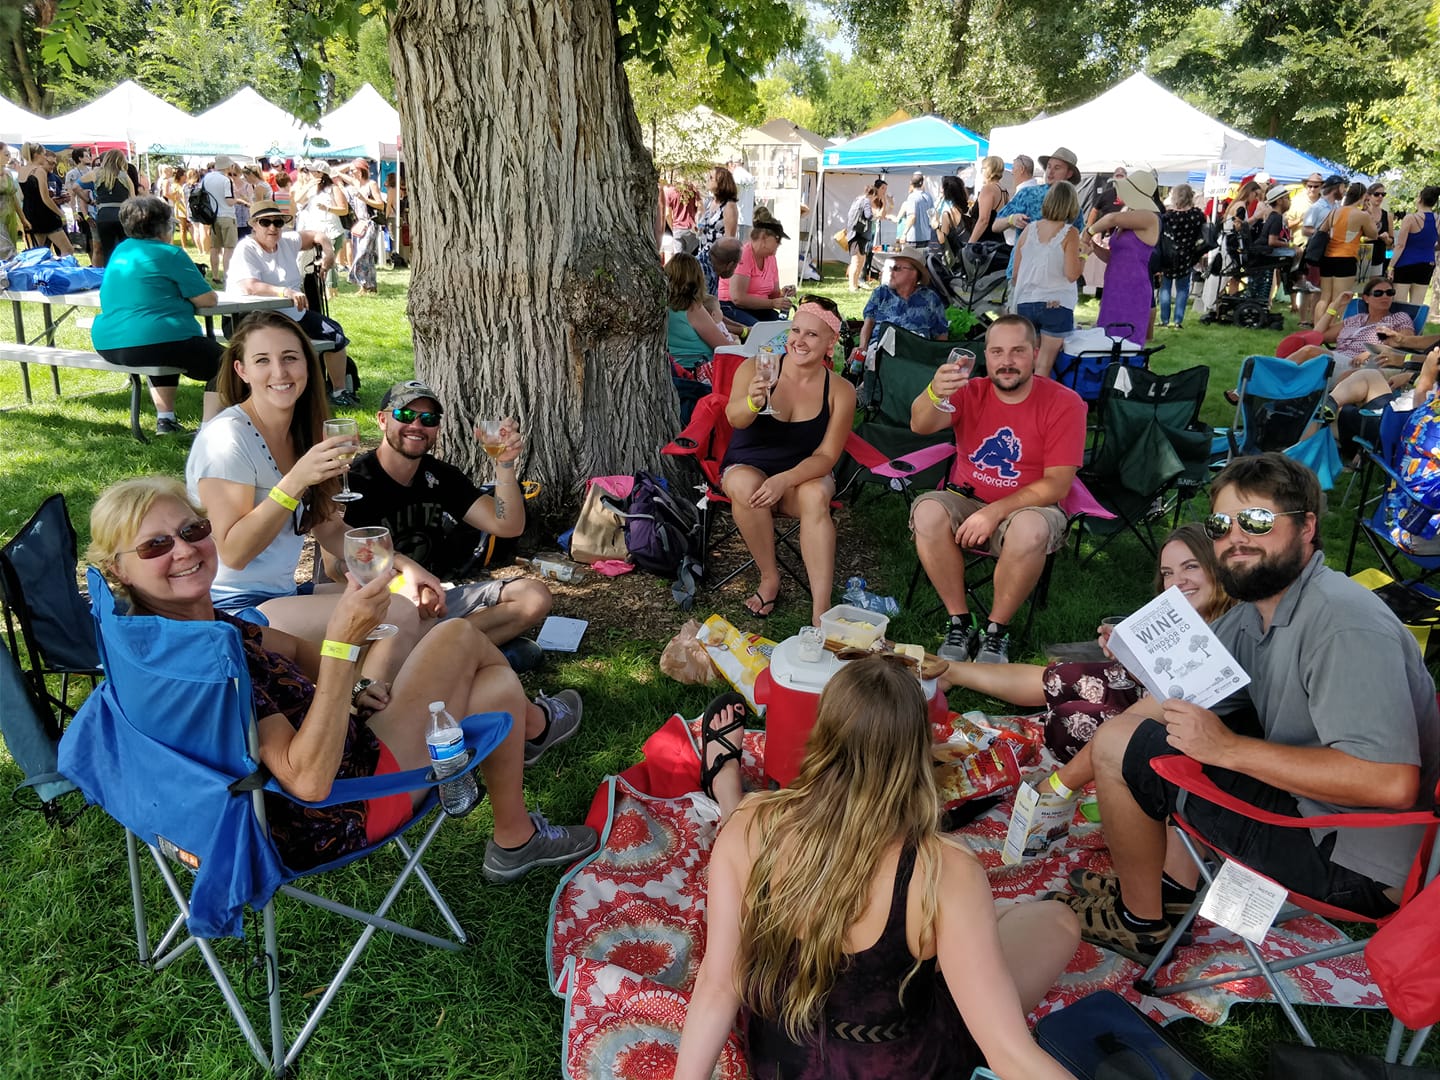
{"x":867,"y":780}
{"x":112,"y":167}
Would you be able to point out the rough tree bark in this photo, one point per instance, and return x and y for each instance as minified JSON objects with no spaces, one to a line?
{"x":536,"y":290}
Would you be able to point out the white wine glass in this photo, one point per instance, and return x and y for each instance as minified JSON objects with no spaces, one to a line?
{"x":964,"y":362}
{"x":370,"y":553}
{"x":767,"y":366}
{"x":335,"y":429}
{"x":488,"y":432}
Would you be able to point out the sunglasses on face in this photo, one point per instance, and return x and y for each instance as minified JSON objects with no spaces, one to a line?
{"x":269,"y":223}
{"x":1313,"y":187}
{"x":409,"y":416}
{"x":162,"y":545}
{"x":1381,"y":292}
{"x":1255,"y":520}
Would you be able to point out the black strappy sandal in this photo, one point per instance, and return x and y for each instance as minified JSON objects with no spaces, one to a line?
{"x":709,"y":770}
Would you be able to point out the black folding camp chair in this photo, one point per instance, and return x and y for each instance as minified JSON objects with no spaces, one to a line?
{"x":1149,"y":445}
{"x":43,"y":606}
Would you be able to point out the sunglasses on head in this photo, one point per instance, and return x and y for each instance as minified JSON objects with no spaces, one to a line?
{"x":156,"y":546}
{"x":1255,"y":520}
{"x":409,"y":416}
{"x":269,"y":223}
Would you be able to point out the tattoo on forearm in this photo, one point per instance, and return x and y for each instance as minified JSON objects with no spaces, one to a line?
{"x":499,"y":507}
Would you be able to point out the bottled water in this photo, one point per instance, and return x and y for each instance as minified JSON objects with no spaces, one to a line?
{"x":446,"y":743}
{"x":857,"y":594}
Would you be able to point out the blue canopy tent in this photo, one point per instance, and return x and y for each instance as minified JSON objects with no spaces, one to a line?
{"x":925,"y":143}
{"x":1283,"y":163}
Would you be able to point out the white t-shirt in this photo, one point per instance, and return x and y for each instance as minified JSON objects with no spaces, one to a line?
{"x":228,"y":447}
{"x":745,"y":200}
{"x":220,"y":189}
{"x":251,"y":262}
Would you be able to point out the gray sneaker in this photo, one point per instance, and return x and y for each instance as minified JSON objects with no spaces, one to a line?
{"x":552,"y":845}
{"x":564,"y":711}
{"x":959,"y":644}
{"x":994,"y":648}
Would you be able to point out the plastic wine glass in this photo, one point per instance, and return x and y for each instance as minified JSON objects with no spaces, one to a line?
{"x":963,"y":359}
{"x":767,"y":366}
{"x":488,"y":432}
{"x":369,"y":553}
{"x":345,"y":426}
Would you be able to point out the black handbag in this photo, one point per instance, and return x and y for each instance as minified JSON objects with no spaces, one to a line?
{"x":1319,"y":241}
{"x":1288,"y":1061}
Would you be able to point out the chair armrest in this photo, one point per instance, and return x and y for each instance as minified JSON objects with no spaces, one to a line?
{"x":697,"y":435}
{"x":483,"y":733}
{"x":1188,"y":774}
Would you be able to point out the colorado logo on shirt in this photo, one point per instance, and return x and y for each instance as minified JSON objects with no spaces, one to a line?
{"x":999,"y":452}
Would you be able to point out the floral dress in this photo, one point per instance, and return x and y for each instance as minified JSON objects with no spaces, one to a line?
{"x":711,"y":227}
{"x":1079,"y":697}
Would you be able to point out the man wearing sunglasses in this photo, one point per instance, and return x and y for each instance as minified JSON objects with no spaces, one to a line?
{"x":427,"y":505}
{"x":1340,"y":716}
{"x":267,"y":263}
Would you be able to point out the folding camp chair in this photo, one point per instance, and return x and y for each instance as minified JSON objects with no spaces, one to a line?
{"x":1088,"y":354}
{"x":1392,"y":503}
{"x":1279,"y":410}
{"x":1078,"y":504}
{"x":1188,"y":774}
{"x":41,"y":598}
{"x":167,"y":746}
{"x":904,"y":365}
{"x":1418,"y":312}
{"x":705,"y":439}
{"x":1148,"y":443}
{"x":31,"y":735}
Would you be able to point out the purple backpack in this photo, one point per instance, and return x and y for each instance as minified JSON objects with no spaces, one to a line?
{"x":662,"y":533}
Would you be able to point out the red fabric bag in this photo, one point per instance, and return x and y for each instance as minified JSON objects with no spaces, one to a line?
{"x":1403,"y":958}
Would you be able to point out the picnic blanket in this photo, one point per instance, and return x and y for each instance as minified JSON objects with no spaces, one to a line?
{"x":627,"y":925}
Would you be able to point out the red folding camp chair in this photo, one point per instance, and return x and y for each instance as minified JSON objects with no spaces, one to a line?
{"x":1188,"y":774}
{"x":706,"y":438}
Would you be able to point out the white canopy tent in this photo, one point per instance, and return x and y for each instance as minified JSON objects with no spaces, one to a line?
{"x":246,"y":123}
{"x":365,"y":126}
{"x":16,"y":124}
{"x":1137,"y":124}
{"x":128,"y":113}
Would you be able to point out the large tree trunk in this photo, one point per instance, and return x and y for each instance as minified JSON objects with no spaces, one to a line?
{"x":536,"y":289}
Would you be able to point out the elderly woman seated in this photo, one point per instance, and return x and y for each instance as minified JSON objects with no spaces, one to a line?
{"x":908,"y":301}
{"x":790,"y":429}
{"x":149,"y":297}
{"x":153,"y":542}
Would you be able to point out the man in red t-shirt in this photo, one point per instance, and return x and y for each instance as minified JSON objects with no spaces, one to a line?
{"x":1019,"y":442}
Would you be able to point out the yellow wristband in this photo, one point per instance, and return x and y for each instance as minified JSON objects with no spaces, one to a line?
{"x":340,"y":650}
{"x":289,"y":502}
{"x":1331,"y":311}
{"x":397,"y":583}
{"x":753,"y":407}
{"x":935,"y":399}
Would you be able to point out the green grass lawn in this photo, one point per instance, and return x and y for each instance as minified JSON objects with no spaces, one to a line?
{"x":74,"y":1002}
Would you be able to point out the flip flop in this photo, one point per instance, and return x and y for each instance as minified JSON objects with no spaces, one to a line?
{"x":767,"y":606}
{"x":709,"y":735}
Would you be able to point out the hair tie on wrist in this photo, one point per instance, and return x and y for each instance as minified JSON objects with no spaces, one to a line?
{"x":289,"y":502}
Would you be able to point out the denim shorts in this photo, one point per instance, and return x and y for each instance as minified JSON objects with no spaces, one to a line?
{"x":246,"y":606}
{"x":1054,"y":321}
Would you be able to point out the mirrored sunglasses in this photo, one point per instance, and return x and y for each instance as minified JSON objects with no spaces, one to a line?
{"x":161,"y":545}
{"x":269,"y":223}
{"x":1254,"y":520}
{"x":409,"y":416}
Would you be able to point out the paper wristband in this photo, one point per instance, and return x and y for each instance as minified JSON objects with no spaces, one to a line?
{"x":340,"y":650}
{"x":752,"y":406}
{"x":289,"y":502}
{"x":935,"y":399}
{"x":397,"y":583}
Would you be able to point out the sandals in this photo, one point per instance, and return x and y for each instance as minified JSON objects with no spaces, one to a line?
{"x":709,"y":770}
{"x":767,"y":607}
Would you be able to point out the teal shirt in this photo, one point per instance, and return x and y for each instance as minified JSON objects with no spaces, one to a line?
{"x":684,"y":344}
{"x":143,"y":296}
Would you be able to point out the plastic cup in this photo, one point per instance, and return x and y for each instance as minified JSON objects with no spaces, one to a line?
{"x":812,"y":644}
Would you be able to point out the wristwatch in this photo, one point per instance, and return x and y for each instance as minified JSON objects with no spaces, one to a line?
{"x":358,"y":689}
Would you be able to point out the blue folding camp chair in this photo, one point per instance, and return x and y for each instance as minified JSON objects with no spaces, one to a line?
{"x":1279,"y":410}
{"x":1377,"y":515}
{"x":1418,"y":312}
{"x":167,"y":747}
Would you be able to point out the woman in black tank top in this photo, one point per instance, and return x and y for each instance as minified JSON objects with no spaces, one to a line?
{"x":781,"y":460}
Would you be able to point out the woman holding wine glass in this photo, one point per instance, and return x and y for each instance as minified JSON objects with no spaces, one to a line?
{"x":790,"y":429}
{"x":270,"y":473}
{"x":159,"y":550}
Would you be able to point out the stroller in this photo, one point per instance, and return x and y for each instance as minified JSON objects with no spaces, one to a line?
{"x":972,"y":278}
{"x":1256,"y":266}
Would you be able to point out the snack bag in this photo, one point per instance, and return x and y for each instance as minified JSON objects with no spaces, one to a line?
{"x":1035,"y":824}
{"x":740,"y":657}
{"x":992,"y":771}
{"x":685,"y":659}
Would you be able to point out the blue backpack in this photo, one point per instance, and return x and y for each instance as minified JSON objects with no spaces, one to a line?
{"x":662,"y":534}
